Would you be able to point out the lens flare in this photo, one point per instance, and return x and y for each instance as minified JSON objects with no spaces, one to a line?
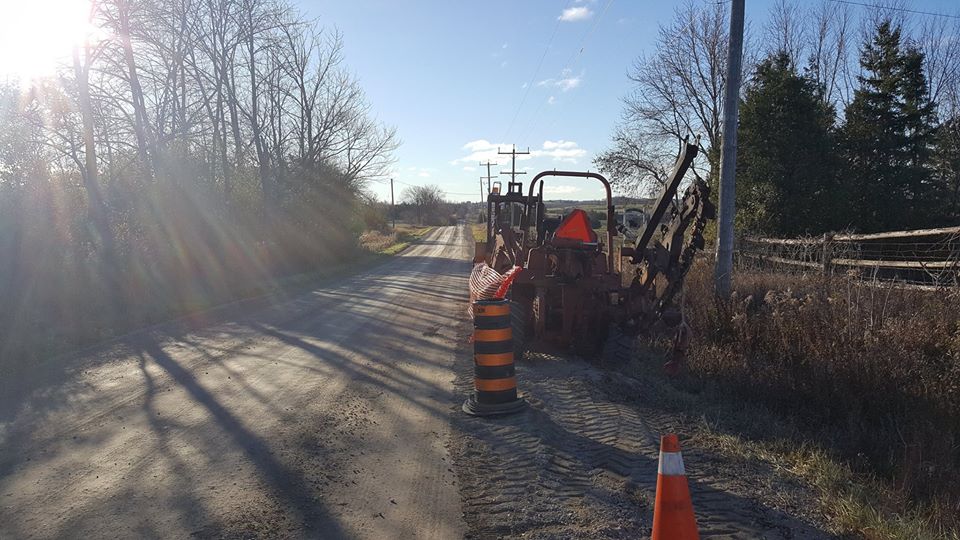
{"x":37,"y":35}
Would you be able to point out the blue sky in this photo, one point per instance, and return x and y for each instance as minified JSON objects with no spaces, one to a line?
{"x":451,"y":75}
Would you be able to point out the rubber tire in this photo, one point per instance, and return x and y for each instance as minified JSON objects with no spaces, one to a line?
{"x":518,"y":325}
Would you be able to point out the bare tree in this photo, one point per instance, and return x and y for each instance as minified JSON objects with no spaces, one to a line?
{"x":678,"y":92}
{"x":786,"y":31}
{"x":428,"y":202}
{"x":829,"y":51}
{"x":939,"y":39}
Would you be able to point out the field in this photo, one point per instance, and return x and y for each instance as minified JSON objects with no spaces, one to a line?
{"x":854,"y":386}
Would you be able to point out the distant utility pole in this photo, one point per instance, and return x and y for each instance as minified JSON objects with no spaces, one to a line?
{"x":393,"y":210}
{"x":488,"y":178}
{"x":481,"y":189}
{"x":513,"y":162}
{"x":723,"y":270}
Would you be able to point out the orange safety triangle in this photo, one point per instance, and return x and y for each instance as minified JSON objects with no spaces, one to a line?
{"x":576,"y":226}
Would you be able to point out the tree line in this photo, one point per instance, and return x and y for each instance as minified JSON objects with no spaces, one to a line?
{"x":187,"y":152}
{"x":845,"y":123}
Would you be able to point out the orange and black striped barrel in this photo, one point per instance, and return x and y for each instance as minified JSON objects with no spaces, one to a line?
{"x":494,"y":374}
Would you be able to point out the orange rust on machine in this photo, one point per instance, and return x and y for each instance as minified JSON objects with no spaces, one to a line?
{"x":576,"y":226}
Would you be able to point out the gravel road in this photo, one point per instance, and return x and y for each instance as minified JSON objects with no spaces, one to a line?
{"x":320,"y":416}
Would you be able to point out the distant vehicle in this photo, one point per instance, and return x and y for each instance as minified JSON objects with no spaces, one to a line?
{"x":632,"y":222}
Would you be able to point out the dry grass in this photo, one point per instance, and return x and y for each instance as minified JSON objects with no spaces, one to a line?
{"x":479,"y":231}
{"x":861,"y":383}
{"x":392,"y":242}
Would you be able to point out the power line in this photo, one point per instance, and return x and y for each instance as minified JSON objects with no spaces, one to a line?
{"x":578,"y":53}
{"x":488,"y":177}
{"x":891,"y":8}
{"x":534,"y":77}
{"x":513,"y":162}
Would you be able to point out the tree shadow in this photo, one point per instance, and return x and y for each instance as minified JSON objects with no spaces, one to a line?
{"x":286,"y":484}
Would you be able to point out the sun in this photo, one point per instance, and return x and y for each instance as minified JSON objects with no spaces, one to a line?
{"x":38,"y":35}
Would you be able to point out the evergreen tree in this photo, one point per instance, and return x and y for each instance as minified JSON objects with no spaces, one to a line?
{"x":786,"y":180}
{"x":946,"y":159}
{"x":888,"y":137}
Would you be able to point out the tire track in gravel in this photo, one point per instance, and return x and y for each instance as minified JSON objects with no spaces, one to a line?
{"x":581,"y":462}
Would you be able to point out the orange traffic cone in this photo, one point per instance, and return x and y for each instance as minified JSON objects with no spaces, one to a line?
{"x":672,"y":509}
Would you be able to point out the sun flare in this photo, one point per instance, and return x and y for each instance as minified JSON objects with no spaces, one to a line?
{"x":37,"y":35}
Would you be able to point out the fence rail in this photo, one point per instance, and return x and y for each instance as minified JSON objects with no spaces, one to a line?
{"x":925,"y":257}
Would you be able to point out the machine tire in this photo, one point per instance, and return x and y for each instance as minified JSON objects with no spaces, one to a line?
{"x":518,"y":325}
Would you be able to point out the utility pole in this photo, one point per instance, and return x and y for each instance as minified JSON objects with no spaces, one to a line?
{"x":723,"y":269}
{"x":481,"y":190}
{"x":393,"y":210}
{"x":513,"y":162}
{"x":488,"y":178}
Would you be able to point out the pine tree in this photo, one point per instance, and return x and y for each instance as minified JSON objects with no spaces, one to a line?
{"x":946,"y":160}
{"x":888,"y":137}
{"x":786,"y":180}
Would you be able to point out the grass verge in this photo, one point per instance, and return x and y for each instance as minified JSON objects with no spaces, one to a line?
{"x":851,"y":387}
{"x":854,"y":504}
{"x":479,"y":231}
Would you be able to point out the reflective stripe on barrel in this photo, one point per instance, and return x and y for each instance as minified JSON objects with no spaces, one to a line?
{"x":493,"y":334}
{"x":494,"y":371}
{"x":496,"y":385}
{"x":502,"y":359}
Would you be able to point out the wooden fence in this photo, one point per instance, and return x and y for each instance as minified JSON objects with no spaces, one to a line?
{"x":924,"y":257}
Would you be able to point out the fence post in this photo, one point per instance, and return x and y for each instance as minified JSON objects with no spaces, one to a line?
{"x":827,"y":254}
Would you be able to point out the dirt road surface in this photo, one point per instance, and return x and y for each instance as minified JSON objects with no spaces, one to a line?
{"x":335,"y":414}
{"x":324,"y":416}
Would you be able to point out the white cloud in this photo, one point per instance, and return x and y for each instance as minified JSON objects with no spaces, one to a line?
{"x":469,"y":169}
{"x":479,"y":144}
{"x":561,"y":150}
{"x":523,"y":86}
{"x":559,"y":190}
{"x":551,"y":100}
{"x":565,"y":82}
{"x":482,"y":150}
{"x":504,"y":46}
{"x":579,"y":13}
{"x":553,"y":145}
{"x":503,"y":64}
{"x":423,"y":174}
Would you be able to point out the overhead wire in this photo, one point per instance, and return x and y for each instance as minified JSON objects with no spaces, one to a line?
{"x":533,"y":78}
{"x":892,"y":8}
{"x":571,"y":63}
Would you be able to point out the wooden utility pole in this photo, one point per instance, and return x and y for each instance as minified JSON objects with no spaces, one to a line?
{"x":488,"y":178}
{"x":393,"y":210}
{"x":723,"y":270}
{"x":481,"y":190}
{"x":513,"y":162}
